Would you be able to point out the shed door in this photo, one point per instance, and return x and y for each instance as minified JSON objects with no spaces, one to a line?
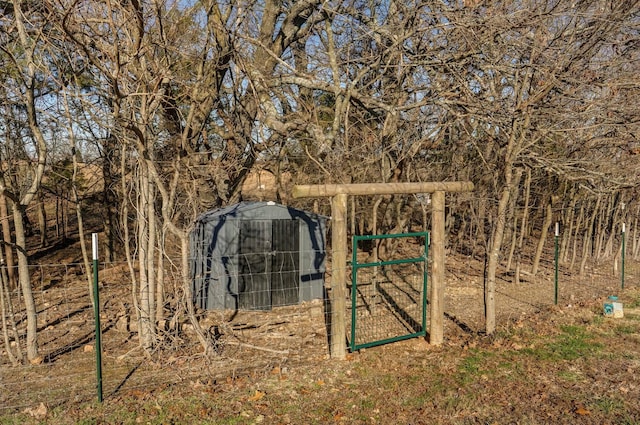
{"x":255,"y":248}
{"x":285,"y":262}
{"x":268,"y":264}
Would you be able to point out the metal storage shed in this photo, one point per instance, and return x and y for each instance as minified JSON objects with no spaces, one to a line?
{"x":257,"y":255}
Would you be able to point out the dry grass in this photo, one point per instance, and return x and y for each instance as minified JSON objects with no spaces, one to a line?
{"x":566,"y":365}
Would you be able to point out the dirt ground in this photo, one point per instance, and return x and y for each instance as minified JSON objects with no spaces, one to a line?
{"x":266,"y":352}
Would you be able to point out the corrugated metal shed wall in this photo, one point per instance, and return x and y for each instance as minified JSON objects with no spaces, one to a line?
{"x":257,"y":255}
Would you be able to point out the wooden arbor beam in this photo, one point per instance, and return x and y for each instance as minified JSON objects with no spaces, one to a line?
{"x":339,"y":193}
{"x":310,"y":191}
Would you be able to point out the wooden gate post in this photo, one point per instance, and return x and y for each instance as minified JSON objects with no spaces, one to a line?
{"x":436,"y":298}
{"x":338,"y":275}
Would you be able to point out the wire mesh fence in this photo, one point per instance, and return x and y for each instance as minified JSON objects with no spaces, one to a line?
{"x":253,"y":340}
{"x":387,"y":306}
{"x":388,"y":296}
{"x":530,"y":293}
{"x":244,"y":341}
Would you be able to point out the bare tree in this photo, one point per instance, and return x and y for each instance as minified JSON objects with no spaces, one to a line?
{"x":25,"y":36}
{"x":517,"y":84}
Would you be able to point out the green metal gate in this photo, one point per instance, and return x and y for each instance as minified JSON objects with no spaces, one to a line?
{"x":388,"y":305}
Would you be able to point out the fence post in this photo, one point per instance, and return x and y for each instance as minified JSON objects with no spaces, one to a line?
{"x":96,"y":311}
{"x":436,"y":300}
{"x":623,"y":249}
{"x":557,"y":233}
{"x":338,"y":275}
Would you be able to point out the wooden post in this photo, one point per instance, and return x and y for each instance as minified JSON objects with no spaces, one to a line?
{"x":436,"y":298}
{"x":338,"y":275}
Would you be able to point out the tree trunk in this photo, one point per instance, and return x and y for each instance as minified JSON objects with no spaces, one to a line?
{"x":6,"y":309}
{"x":159,"y":299}
{"x":25,"y":285}
{"x":635,"y":243}
{"x":188,"y":295}
{"x":6,"y":237}
{"x":376,"y":246}
{"x":78,"y":202}
{"x":588,"y":235}
{"x":481,"y":218}
{"x":523,"y":225}
{"x":493,"y":261}
{"x":600,"y":229}
{"x":353,"y":216}
{"x":42,"y":220}
{"x":514,"y":217}
{"x":111,"y":201}
{"x":576,"y":235}
{"x":58,"y":221}
{"x":614,"y":225}
{"x":65,"y":214}
{"x":144,"y":330}
{"x":568,"y":231}
{"x":616,"y":259}
{"x":543,"y":237}
{"x":151,"y":258}
{"x":124,"y":219}
{"x":167,"y":207}
{"x":81,"y":235}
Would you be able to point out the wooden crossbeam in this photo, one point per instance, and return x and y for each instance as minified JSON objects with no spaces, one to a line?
{"x":323,"y":190}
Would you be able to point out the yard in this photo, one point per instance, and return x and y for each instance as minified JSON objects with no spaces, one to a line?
{"x":545,"y":364}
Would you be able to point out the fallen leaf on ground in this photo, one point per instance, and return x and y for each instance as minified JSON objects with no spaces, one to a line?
{"x":39,"y":412}
{"x":257,"y":396}
{"x":580,"y":410}
{"x":38,"y":360}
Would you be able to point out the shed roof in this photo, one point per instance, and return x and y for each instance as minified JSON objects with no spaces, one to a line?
{"x":256,"y":210}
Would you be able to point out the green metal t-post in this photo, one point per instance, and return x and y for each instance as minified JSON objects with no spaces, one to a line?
{"x":555,"y":299}
{"x":96,"y":308}
{"x":623,"y":249}
{"x":354,"y":293}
